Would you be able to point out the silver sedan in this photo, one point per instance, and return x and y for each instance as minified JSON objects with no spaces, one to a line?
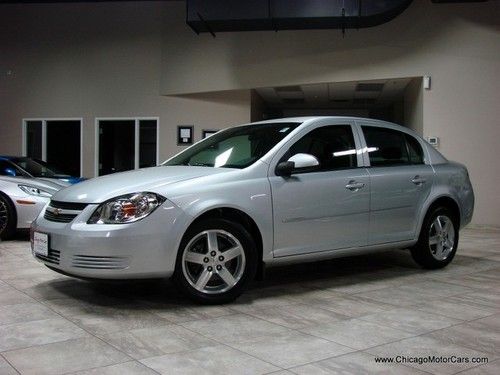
{"x":268,"y":193}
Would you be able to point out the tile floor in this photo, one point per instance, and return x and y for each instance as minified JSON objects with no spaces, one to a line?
{"x":324,"y":318}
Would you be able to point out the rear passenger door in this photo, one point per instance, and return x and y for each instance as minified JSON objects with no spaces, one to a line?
{"x":400,"y":183}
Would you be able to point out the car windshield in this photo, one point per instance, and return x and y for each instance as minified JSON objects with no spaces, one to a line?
{"x":237,"y":147}
{"x":37,"y":168}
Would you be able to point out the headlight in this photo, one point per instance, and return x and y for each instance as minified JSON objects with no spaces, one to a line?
{"x":126,"y":208}
{"x":31,"y":190}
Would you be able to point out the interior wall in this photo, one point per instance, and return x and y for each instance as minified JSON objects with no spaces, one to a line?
{"x":413,"y":106}
{"x":456,"y":44}
{"x":114,"y":59}
{"x":96,"y":60}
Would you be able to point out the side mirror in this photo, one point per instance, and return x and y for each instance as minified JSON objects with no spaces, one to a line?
{"x":9,"y":172}
{"x":297,"y":162}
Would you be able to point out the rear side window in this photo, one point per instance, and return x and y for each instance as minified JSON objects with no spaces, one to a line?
{"x":415,"y":151}
{"x":333,"y":146}
{"x":388,"y":147}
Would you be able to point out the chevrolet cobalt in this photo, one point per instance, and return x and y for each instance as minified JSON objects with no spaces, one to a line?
{"x":272,"y":192}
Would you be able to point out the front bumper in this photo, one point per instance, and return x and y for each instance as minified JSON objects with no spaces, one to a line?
{"x":27,"y":208}
{"x":144,"y":249}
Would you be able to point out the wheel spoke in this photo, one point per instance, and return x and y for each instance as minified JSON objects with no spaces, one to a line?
{"x":227,"y":277}
{"x":439,"y":250}
{"x":204,"y":278}
{"x":212,"y":241}
{"x":193,"y":257}
{"x":433,"y":240}
{"x":232,"y":253}
{"x":449,"y":243}
{"x":438,"y":224}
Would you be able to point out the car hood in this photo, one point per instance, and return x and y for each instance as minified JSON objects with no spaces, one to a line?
{"x":155,"y":179}
{"x":47,"y":185}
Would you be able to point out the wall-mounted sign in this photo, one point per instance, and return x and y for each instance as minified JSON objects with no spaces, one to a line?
{"x":185,"y":135}
{"x":207,"y":133}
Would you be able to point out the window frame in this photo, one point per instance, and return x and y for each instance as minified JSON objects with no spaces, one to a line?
{"x":137,"y":142}
{"x":308,"y":129}
{"x":44,"y":121}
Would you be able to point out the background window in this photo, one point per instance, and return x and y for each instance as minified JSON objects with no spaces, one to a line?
{"x":63,"y":146}
{"x":57,"y":142}
{"x":147,"y":143}
{"x":126,"y":144}
{"x":333,"y":146}
{"x":386,"y":147}
{"x":34,"y":139}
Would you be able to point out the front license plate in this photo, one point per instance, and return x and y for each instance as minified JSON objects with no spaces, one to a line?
{"x":41,"y":243}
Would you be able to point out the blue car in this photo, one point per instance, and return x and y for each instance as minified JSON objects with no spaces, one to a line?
{"x":21,"y":166}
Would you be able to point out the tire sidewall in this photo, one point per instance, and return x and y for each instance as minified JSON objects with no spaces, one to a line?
{"x":249,"y":249}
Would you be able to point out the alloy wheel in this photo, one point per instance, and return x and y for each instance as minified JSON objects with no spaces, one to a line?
{"x":4,"y":216}
{"x":213,"y":261}
{"x":441,"y":237}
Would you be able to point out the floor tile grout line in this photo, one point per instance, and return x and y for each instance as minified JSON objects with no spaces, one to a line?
{"x":10,"y":364}
{"x":479,"y":365}
{"x":68,"y":320}
{"x":114,"y":364}
{"x":224,"y":344}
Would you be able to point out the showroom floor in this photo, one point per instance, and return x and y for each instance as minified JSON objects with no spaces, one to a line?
{"x":329,"y":317}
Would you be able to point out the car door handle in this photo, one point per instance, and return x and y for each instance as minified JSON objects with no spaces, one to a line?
{"x":417,"y":180}
{"x":354,"y":186}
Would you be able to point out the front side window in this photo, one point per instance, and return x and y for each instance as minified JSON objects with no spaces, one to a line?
{"x":333,"y":146}
{"x":237,"y":147}
{"x":388,"y":147}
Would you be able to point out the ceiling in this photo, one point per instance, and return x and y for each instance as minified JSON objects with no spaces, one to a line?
{"x":355,"y":94}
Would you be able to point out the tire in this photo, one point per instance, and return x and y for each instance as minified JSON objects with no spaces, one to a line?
{"x":7,"y":218}
{"x":438,"y":240}
{"x":218,"y":272}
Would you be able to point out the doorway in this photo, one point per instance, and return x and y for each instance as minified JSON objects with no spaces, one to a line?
{"x":126,"y":144}
{"x":397,"y":100}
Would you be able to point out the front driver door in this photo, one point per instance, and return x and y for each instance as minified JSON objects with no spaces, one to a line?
{"x":323,"y":209}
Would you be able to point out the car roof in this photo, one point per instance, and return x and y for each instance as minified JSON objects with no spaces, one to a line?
{"x":307,"y":120}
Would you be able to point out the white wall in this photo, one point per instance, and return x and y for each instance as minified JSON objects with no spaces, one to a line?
{"x":414,"y":106}
{"x":96,"y":60}
{"x":456,"y":44}
{"x":110,"y":59}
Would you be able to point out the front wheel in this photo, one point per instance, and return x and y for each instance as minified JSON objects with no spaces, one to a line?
{"x":216,"y":260}
{"x":438,"y":240}
{"x":7,"y":219}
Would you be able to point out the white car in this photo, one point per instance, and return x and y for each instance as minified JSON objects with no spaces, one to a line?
{"x":21,"y":200}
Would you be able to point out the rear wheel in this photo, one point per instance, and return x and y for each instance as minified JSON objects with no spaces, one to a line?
{"x":216,"y":260}
{"x":7,"y":219}
{"x":438,"y":240}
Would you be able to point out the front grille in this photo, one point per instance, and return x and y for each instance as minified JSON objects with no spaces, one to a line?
{"x":100,"y":262}
{"x":53,"y":257}
{"x":68,"y":205}
{"x":63,"y":212}
{"x":60,"y":218}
